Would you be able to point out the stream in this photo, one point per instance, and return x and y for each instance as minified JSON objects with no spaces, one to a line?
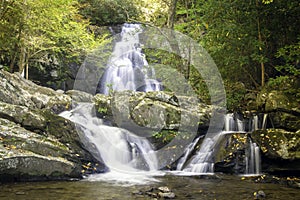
{"x":206,"y":188}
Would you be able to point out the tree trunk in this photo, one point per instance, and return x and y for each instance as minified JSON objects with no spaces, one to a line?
{"x":22,"y":59}
{"x":172,"y":14}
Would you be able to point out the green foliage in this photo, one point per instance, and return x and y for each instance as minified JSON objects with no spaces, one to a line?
{"x":153,"y":11}
{"x":290,"y":54}
{"x":102,"y":110}
{"x":278,"y":82}
{"x":188,"y":80}
{"x":241,"y":35}
{"x":108,"y":12}
{"x":235,"y":96}
{"x":165,"y":135}
{"x":47,"y":35}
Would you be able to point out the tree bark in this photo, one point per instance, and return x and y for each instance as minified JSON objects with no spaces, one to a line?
{"x":172,"y":14}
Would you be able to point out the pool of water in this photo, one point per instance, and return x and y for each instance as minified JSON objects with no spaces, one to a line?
{"x":195,"y":187}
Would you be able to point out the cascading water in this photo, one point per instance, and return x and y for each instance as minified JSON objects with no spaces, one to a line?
{"x":252,"y":159}
{"x":202,"y":161}
{"x":128,"y":68}
{"x":125,"y":154}
{"x":187,"y":153}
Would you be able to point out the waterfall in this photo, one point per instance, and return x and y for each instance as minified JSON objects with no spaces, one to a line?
{"x":229,"y":122}
{"x":252,"y":159}
{"x":120,"y":150}
{"x":128,"y":68}
{"x":234,"y":123}
{"x":203,"y":160}
{"x":259,"y":121}
{"x":187,"y":153}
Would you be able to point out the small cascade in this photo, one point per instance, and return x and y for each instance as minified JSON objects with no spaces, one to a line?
{"x":128,"y":68}
{"x":229,"y":122}
{"x":252,"y":159}
{"x":187,"y":153}
{"x":119,"y":149}
{"x":202,"y":161}
{"x":234,"y":123}
{"x":259,"y":122}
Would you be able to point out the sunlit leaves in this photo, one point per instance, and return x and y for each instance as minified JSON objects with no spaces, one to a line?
{"x":31,"y":29}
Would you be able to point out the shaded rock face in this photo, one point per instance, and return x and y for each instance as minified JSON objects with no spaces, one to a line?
{"x":27,"y":154}
{"x":283,"y":105}
{"x":231,"y":152}
{"x":35,"y":143}
{"x":280,"y":142}
{"x":280,"y":150}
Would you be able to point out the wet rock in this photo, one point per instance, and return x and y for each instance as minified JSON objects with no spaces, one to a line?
{"x":103,"y":106}
{"x":164,"y":189}
{"x":284,"y":119}
{"x":259,"y":194}
{"x":27,"y":154}
{"x":166,"y":195}
{"x":230,"y":156}
{"x":153,"y":192}
{"x":40,"y":138}
{"x":79,"y":96}
{"x":280,"y":151}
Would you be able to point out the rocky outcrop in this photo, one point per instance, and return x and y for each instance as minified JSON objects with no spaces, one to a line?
{"x":231,"y":153}
{"x":36,"y":143}
{"x":280,"y":150}
{"x":278,"y":143}
{"x":282,"y":103}
{"x":24,"y":154}
{"x":18,"y":91}
{"x":154,"y":110}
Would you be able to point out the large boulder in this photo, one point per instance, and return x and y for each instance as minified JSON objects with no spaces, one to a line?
{"x":37,"y":144}
{"x":153,"y":110}
{"x":27,"y":155}
{"x":16,"y":90}
{"x":282,"y":102}
{"x":231,"y":152}
{"x":280,"y":150}
{"x":278,"y":143}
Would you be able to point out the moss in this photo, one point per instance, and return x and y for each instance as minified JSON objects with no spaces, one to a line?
{"x":278,"y":143}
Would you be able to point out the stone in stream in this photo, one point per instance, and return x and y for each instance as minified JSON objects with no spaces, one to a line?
{"x":259,"y":194}
{"x":153,"y":192}
{"x":166,"y":195}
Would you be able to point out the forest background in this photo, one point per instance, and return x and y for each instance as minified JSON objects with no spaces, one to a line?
{"x":255,"y":44}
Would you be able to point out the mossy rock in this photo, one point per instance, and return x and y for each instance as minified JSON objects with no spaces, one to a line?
{"x":230,"y":155}
{"x":278,"y":143}
{"x":284,"y":120}
{"x":103,"y":106}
